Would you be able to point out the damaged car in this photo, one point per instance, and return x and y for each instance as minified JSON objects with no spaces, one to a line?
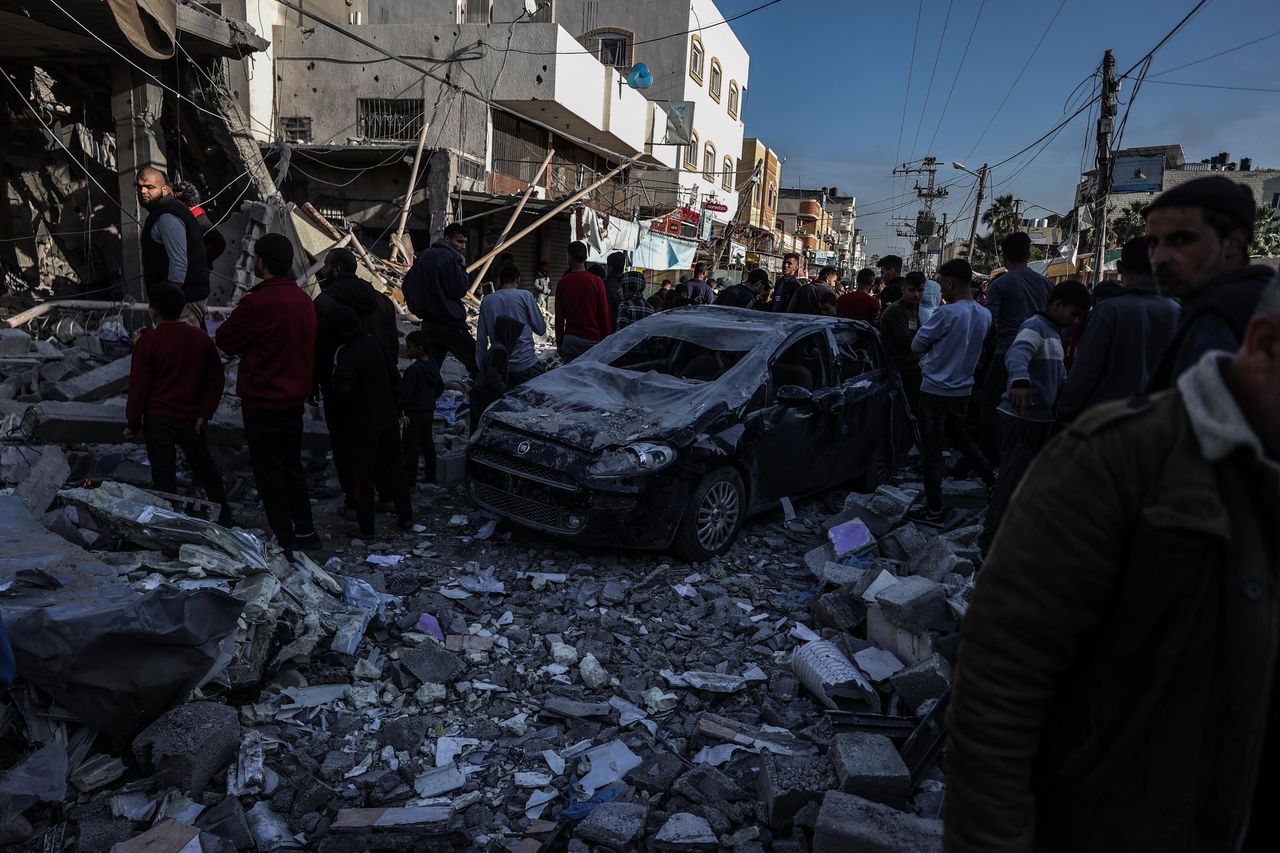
{"x":671,"y":432}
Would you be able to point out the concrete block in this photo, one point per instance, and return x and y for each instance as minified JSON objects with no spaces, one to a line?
{"x":108,"y":380}
{"x":822,"y":563}
{"x":48,"y":474}
{"x":923,"y":681}
{"x":787,"y":782}
{"x":838,"y":610}
{"x":916,"y":602}
{"x":869,"y":765}
{"x":451,"y":467}
{"x":938,"y":559}
{"x":658,"y":774}
{"x":877,"y":663}
{"x":431,"y":664}
{"x":227,"y":821}
{"x":684,"y":831}
{"x":14,"y":343}
{"x":851,"y":537}
{"x":904,"y":543}
{"x":905,"y":644}
{"x":849,"y":824}
{"x":190,"y":745}
{"x":614,"y":825}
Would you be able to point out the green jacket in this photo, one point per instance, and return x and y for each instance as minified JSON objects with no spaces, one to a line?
{"x":1116,"y":661}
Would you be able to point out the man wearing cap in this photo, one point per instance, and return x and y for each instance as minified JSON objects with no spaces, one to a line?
{"x":744,"y":294}
{"x":1198,"y":238}
{"x":273,"y":331}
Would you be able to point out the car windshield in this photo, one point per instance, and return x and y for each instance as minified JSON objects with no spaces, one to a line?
{"x":704,"y":361}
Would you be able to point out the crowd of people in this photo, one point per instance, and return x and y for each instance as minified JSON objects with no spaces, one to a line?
{"x":1116,"y":683}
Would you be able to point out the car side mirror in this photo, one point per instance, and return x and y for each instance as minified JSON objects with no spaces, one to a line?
{"x":792,"y":396}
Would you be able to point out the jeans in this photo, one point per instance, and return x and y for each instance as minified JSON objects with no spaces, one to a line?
{"x":942,"y":420}
{"x":377,"y":461}
{"x":274,"y":437}
{"x":193,"y":313}
{"x":164,"y":436}
{"x":451,"y":340}
{"x":420,"y":442}
{"x":988,"y":421}
{"x":573,"y":346}
{"x":1022,"y":440}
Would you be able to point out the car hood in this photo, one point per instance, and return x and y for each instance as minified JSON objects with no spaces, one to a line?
{"x":591,"y":406}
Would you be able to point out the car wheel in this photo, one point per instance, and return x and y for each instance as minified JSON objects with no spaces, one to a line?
{"x":713,"y":517}
{"x":878,"y":469}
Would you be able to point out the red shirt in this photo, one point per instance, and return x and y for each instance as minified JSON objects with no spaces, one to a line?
{"x":273,"y":330}
{"x":858,"y":306}
{"x":582,"y":310}
{"x":176,"y":373}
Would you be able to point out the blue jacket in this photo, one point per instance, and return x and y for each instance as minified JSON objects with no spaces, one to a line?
{"x":951,"y":344}
{"x":434,"y":286}
{"x":1034,"y":361}
{"x":1011,"y":299}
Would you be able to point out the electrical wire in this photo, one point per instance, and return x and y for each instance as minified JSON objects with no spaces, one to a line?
{"x":1017,"y":79}
{"x":956,"y":78}
{"x":928,"y":92}
{"x":1212,"y":86}
{"x":1216,"y":55}
{"x":906,"y":96}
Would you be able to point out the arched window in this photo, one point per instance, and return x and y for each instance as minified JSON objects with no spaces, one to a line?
{"x":717,"y":79}
{"x":691,"y":152}
{"x":726,"y":180}
{"x":733,"y":98}
{"x":613,"y":45}
{"x":697,"y":56}
{"x":773,"y":195}
{"x":709,"y":162}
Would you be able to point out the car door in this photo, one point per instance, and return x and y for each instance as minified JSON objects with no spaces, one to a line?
{"x":791,"y":444}
{"x":865,"y":400}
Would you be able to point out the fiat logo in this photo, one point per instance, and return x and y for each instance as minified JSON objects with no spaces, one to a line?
{"x":523,"y":447}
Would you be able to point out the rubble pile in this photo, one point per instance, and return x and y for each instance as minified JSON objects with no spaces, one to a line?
{"x":467,"y":685}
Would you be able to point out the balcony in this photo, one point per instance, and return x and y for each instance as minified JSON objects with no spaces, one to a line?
{"x":810,"y":211}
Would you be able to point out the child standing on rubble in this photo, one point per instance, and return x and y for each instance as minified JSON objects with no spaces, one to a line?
{"x":419,"y":390}
{"x":175,"y":385}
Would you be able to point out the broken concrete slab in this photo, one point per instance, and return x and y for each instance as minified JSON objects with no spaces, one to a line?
{"x":431,"y":664}
{"x":851,"y":537}
{"x":617,"y":826}
{"x":56,"y":422}
{"x":106,"y":381}
{"x":923,"y":681}
{"x":14,"y":343}
{"x":173,"y":836}
{"x":684,"y":831}
{"x":869,"y":766}
{"x":916,"y":602}
{"x":937,"y":559}
{"x":392,"y":817}
{"x":850,"y":824}
{"x":877,"y":663}
{"x":190,"y":745}
{"x":905,"y":644}
{"x":786,"y":783}
{"x":47,"y":475}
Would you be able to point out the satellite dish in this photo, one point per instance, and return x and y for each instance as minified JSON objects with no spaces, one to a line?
{"x":531,"y":7}
{"x":639,"y":77}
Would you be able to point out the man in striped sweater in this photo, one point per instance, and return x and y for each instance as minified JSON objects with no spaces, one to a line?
{"x":1036,"y":373}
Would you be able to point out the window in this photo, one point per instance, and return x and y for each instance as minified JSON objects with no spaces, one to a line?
{"x":773,"y":195}
{"x":296,"y":128}
{"x":717,"y":78}
{"x":477,"y":12}
{"x":393,"y":119}
{"x":696,"y":58}
{"x":612,"y":46}
{"x":691,"y":152}
{"x":709,"y":162}
{"x":726,"y":180}
{"x":733,"y":99}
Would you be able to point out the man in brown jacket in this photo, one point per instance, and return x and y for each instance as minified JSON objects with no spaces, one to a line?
{"x":1115,"y":688}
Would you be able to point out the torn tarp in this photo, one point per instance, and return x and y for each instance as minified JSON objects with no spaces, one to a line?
{"x":117,"y":658}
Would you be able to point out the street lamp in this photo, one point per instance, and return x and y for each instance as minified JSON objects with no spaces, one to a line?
{"x":981,"y":175}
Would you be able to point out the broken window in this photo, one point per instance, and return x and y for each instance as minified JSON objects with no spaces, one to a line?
{"x":855,"y":355}
{"x":296,"y":128}
{"x":615,"y":51}
{"x":391,"y":119}
{"x":472,"y":169}
{"x":680,"y":358}
{"x":804,"y":363}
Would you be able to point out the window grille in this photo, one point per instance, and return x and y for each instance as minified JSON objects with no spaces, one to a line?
{"x":389,"y":119}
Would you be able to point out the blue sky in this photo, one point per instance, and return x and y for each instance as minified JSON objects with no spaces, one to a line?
{"x":828,"y":79}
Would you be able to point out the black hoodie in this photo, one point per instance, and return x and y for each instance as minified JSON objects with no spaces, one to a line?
{"x":375,"y":311}
{"x":364,"y":385}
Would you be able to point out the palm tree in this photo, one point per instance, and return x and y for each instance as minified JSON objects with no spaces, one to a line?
{"x":1002,"y":216}
{"x":1127,"y":224}
{"x":1266,"y":233}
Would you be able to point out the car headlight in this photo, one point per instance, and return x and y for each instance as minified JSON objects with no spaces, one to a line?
{"x":637,"y":458}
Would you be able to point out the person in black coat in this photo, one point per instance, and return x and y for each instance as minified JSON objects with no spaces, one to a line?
{"x":364,"y":388}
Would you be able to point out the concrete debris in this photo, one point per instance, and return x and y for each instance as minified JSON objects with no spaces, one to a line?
{"x":847,"y":823}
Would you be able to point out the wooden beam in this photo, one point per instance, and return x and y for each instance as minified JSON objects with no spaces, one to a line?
{"x":515,"y":214}
{"x":216,"y":32}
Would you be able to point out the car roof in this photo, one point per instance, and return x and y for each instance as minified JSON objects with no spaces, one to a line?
{"x":772,"y":324}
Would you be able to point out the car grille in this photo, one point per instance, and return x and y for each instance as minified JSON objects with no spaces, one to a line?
{"x":521,"y":509}
{"x":522,"y":468}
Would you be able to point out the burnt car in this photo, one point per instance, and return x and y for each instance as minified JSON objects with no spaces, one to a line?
{"x":671,"y":432}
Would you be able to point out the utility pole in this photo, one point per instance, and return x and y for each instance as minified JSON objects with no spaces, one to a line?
{"x":926,"y":223}
{"x":977,"y":208}
{"x":1106,"y":122}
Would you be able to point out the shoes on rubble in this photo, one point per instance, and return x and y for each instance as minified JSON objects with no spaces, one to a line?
{"x":924,"y":515}
{"x":307,"y":542}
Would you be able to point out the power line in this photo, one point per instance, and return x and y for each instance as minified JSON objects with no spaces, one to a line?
{"x":928,"y":92}
{"x":955,"y":79}
{"x":1212,"y":86}
{"x":1176,"y":27}
{"x":1216,"y":55}
{"x":712,"y":25}
{"x":906,"y":96}
{"x":1016,"y":79}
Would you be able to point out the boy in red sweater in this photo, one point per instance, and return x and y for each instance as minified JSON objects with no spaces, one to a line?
{"x":582,"y":309}
{"x":175,"y":385}
{"x":273,"y":330}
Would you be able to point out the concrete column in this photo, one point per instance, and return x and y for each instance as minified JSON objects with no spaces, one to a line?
{"x":442,"y":177}
{"x":136,"y":105}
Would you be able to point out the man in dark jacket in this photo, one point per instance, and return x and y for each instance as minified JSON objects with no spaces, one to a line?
{"x":617,"y":265}
{"x":172,"y":244}
{"x":434,"y":289}
{"x":340,"y":285}
{"x":1123,"y":340}
{"x":1116,"y":686}
{"x":890,"y":267}
{"x":365,"y":388}
{"x":744,"y":294}
{"x":898,"y":326}
{"x":273,"y":331}
{"x":786,"y":285}
{"x":214,"y":243}
{"x":1198,"y":236}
